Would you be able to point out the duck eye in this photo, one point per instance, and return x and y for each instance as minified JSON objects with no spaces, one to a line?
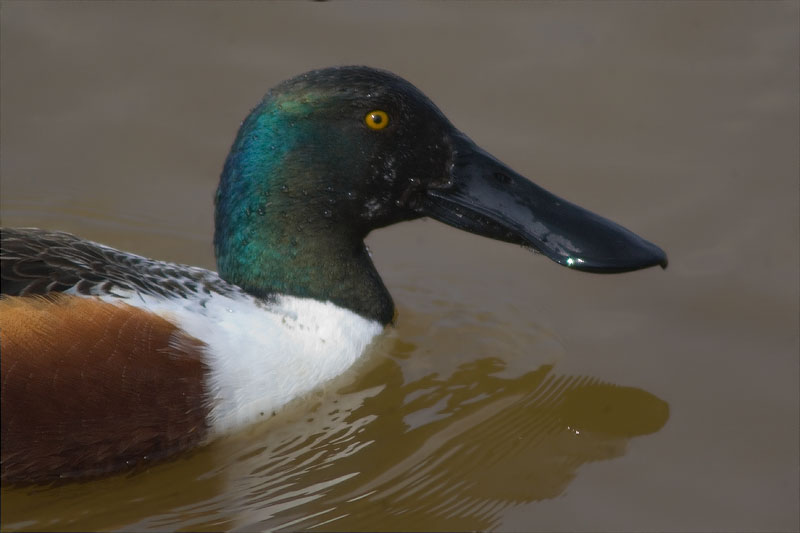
{"x":377,"y":120}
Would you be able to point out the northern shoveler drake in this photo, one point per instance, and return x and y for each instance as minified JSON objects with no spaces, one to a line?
{"x":110,"y":359}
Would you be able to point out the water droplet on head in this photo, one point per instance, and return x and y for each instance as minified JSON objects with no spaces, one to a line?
{"x":327,"y":213}
{"x":261,"y":211}
{"x":284,"y":188}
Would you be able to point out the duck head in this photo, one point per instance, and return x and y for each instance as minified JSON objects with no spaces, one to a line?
{"x":332,"y":154}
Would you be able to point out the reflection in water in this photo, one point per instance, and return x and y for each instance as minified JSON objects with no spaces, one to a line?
{"x":387,"y":451}
{"x":487,"y":447}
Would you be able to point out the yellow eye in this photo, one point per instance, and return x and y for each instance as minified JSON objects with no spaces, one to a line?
{"x":377,"y":120}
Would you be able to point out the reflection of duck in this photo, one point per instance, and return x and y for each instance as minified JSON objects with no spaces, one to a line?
{"x":506,"y":442}
{"x":130,"y":358}
{"x":495,"y":442}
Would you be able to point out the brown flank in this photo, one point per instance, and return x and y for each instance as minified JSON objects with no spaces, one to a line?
{"x":90,"y":388}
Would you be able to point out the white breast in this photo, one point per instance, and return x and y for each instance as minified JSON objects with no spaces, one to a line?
{"x":263,"y":355}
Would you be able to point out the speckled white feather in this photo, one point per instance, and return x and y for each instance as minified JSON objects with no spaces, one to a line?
{"x":263,"y":355}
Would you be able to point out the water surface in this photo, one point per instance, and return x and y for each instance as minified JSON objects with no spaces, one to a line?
{"x":513,"y":394}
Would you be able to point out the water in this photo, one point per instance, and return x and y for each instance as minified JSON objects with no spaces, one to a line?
{"x":514,"y":394}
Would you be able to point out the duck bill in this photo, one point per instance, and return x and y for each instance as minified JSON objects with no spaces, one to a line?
{"x":485,"y":197}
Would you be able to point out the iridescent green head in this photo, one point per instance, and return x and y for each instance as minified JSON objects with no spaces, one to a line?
{"x":330,"y":155}
{"x":324,"y":159}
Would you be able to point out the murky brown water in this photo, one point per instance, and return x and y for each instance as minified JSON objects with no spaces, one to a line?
{"x":514,"y":394}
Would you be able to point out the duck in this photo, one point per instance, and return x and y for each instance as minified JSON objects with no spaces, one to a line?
{"x":111,"y":360}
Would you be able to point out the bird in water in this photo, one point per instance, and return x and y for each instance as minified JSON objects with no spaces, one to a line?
{"x":110,"y":359}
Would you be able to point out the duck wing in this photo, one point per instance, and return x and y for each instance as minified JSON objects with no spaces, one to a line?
{"x":39,"y":262}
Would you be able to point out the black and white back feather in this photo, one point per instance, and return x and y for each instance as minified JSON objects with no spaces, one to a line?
{"x":40,"y":262}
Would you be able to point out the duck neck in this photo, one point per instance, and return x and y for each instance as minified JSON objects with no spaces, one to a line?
{"x":273,"y":236}
{"x":305,"y":264}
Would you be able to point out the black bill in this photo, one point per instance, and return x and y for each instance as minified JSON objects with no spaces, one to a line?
{"x":486,"y":197}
